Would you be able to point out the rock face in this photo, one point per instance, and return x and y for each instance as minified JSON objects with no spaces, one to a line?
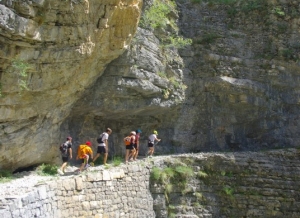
{"x":88,"y":69}
{"x":243,"y":91}
{"x":63,"y":46}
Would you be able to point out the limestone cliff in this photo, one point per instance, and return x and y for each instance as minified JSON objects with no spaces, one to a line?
{"x":88,"y":68}
{"x":63,"y":46}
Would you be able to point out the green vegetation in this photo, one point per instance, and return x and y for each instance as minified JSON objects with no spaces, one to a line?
{"x":178,"y":42}
{"x":201,"y":174}
{"x":157,"y":15}
{"x":116,"y":161}
{"x":47,"y":169}
{"x":171,"y":177}
{"x":162,"y":74}
{"x":228,"y":190}
{"x":278,"y":11}
{"x":20,"y":69}
{"x":5,"y":176}
{"x":175,"y":83}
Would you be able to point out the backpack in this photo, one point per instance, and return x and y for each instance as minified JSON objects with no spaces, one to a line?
{"x":127,"y":140}
{"x":99,"y":140}
{"x":63,"y":148}
{"x":82,"y":150}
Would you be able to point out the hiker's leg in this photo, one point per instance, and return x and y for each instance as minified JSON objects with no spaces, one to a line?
{"x":63,"y":166}
{"x":151,"y":150}
{"x":127,"y":154}
{"x":133,"y":151}
{"x":82,"y":165}
{"x":150,"y":146}
{"x":105,"y":158}
{"x":136,"y":153}
{"x":95,"y":158}
{"x":87,"y":159}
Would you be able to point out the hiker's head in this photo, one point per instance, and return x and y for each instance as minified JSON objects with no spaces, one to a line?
{"x":138,"y":131}
{"x":88,"y":143}
{"x":155,"y":132}
{"x":132,"y":133}
{"x":108,"y":130}
{"x":69,"y":138}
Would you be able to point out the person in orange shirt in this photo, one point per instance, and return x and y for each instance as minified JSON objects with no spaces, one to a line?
{"x":83,"y":154}
{"x":130,"y":150}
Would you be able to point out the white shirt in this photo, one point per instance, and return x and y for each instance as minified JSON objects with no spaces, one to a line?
{"x":104,"y":137}
{"x":152,"y":138}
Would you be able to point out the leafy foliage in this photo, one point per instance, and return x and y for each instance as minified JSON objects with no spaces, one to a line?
{"x":156,"y":15}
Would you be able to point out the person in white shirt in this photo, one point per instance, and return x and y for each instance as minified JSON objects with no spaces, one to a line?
{"x":151,"y":139}
{"x":103,"y":146}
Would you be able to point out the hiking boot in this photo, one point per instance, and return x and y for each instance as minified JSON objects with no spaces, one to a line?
{"x":92,"y":164}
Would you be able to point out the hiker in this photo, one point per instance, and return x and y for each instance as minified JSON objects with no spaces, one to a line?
{"x":66,"y":154}
{"x":130,"y":150}
{"x":136,"y":144}
{"x":103,"y":146}
{"x":151,"y":139}
{"x":83,"y":153}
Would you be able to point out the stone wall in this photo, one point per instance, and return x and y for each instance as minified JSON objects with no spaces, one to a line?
{"x":246,"y":184}
{"x":120,"y":192}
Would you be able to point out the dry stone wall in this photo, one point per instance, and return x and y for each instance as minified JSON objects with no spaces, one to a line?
{"x":245,"y":184}
{"x":122,"y":192}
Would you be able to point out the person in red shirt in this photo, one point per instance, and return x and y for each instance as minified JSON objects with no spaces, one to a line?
{"x":136,"y":144}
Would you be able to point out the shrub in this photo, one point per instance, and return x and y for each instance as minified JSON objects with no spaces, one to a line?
{"x":47,"y":169}
{"x":178,"y":42}
{"x":155,"y":174}
{"x":5,"y":176}
{"x":117,"y":161}
{"x":156,"y":15}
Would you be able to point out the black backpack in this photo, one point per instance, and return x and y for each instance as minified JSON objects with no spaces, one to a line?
{"x":99,"y":140}
{"x":63,"y":148}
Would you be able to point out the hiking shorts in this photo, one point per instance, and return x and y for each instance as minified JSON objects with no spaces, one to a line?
{"x":101,"y":149}
{"x":129,"y":147}
{"x":135,"y":146}
{"x":150,"y":145}
{"x":65,"y":159}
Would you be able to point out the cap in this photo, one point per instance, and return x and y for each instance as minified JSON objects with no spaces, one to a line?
{"x":138,"y":131}
{"x":155,"y":132}
{"x":132,"y":133}
{"x":69,"y":138}
{"x":88,"y":143}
